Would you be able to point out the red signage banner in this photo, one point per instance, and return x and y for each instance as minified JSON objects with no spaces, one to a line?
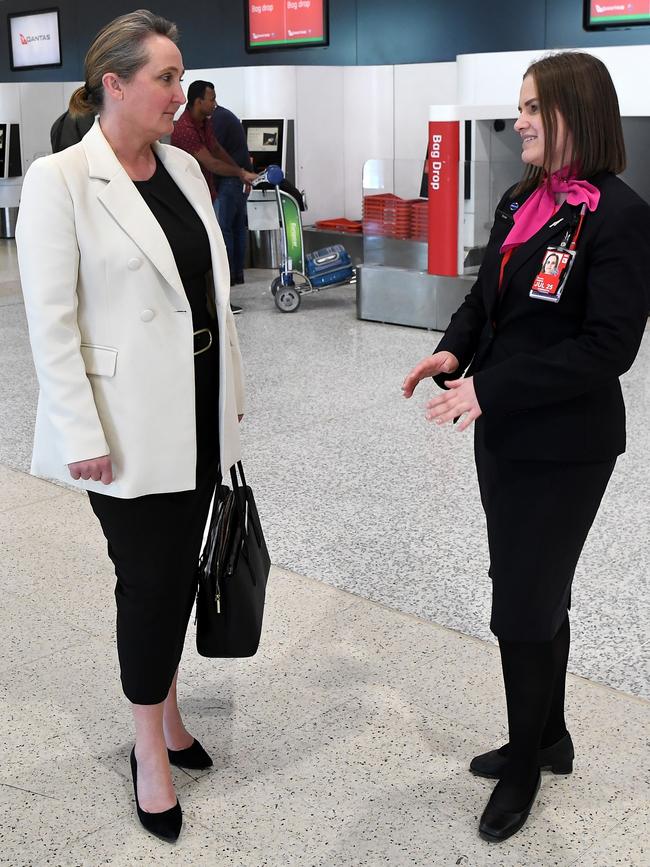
{"x":282,"y":23}
{"x":444,"y":154}
{"x":620,"y":12}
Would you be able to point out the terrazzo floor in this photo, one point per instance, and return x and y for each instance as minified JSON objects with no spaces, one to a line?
{"x":345,"y":741}
{"x":356,"y":489}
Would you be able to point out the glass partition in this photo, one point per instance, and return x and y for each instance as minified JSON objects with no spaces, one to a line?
{"x":396,"y":215}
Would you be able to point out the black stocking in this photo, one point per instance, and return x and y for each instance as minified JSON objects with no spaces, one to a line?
{"x":529,"y":678}
{"x":555,"y":728}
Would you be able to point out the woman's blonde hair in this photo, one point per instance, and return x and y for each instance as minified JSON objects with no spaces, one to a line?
{"x":119,"y":48}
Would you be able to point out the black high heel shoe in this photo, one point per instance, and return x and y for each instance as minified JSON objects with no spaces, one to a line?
{"x":194,"y":757}
{"x":166,"y":825}
{"x":498,"y":824}
{"x":557,"y":757}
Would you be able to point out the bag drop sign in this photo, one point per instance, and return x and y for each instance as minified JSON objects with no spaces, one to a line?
{"x":434,"y":162}
{"x":443,"y":156}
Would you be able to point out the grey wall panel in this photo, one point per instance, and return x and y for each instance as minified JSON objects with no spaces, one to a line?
{"x":564,"y":29}
{"x":212,"y":35}
{"x":425,"y":31}
{"x":363,"y":32}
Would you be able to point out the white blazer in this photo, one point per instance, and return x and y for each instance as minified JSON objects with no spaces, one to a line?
{"x":110,"y":324}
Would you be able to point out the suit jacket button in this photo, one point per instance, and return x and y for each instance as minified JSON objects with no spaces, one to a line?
{"x":147,"y":315}
{"x":134,"y":263}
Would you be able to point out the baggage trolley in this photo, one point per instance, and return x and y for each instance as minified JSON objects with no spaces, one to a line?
{"x":300,"y":273}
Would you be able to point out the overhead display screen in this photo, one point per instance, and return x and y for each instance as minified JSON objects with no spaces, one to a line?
{"x":285,"y":23}
{"x":600,"y":14}
{"x":34,"y":39}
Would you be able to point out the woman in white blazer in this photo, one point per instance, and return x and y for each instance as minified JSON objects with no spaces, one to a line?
{"x":126,"y":284}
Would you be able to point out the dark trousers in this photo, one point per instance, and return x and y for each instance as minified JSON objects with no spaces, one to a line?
{"x":231,"y":212}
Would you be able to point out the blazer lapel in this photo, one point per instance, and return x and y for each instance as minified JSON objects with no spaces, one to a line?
{"x":122,"y":200}
{"x":499,"y":233}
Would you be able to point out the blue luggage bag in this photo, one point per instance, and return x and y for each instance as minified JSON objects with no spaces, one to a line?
{"x":329,"y":265}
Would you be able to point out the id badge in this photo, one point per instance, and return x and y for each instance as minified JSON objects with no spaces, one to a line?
{"x":552,"y":277}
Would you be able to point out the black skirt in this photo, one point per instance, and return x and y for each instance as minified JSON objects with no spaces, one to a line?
{"x":538,"y":514}
{"x":154,"y":542}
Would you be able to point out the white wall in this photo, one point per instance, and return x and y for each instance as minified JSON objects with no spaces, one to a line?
{"x":320,"y":162}
{"x":347,"y":115}
{"x":494,"y":79}
{"x":368,"y":127}
{"x":35,"y":106}
{"x":9,"y":113}
{"x":417,"y":86}
{"x":344,"y":116}
{"x":41,"y":104}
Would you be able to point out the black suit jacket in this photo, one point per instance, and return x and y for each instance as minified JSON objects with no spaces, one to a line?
{"x":547,"y":374}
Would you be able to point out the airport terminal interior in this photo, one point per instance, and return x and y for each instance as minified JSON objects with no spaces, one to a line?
{"x":345,"y":741}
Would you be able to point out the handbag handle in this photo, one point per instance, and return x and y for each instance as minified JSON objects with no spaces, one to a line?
{"x":235,"y":485}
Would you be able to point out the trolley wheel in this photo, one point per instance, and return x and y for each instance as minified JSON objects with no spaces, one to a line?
{"x":287,"y":299}
{"x":275,"y":284}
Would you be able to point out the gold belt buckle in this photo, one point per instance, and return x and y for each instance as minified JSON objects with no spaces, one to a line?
{"x":209,"y":333}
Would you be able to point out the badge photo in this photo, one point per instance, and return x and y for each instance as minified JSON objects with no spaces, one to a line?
{"x":552,"y":276}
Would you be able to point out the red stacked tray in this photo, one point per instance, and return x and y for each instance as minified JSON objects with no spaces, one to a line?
{"x":420,"y":219}
{"x":373,"y":213}
{"x":394,"y":217}
{"x":397,"y":218}
{"x":340,"y":224}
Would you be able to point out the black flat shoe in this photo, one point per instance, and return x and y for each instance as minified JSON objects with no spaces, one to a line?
{"x":194,"y":758}
{"x":166,"y":825}
{"x":557,"y":758}
{"x":497,"y":824}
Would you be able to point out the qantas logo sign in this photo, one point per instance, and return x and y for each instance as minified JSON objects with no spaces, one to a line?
{"x":41,"y":37}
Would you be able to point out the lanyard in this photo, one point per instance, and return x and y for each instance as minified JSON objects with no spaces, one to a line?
{"x":572,"y":235}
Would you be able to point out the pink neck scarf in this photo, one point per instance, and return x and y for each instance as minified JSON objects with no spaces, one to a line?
{"x":540,"y":206}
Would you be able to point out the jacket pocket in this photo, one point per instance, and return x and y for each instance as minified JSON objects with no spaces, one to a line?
{"x":99,"y":360}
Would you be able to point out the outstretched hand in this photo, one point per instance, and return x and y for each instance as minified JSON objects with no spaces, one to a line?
{"x":432,"y":365}
{"x":460,"y":400}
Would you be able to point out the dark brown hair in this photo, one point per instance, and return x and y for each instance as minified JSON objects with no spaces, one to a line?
{"x":579,"y":87}
{"x":118,"y":48}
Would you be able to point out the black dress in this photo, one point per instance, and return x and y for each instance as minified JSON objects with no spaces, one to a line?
{"x":538,"y":516}
{"x":154,"y":541}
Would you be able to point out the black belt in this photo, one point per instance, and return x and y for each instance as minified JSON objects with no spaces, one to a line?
{"x":202,"y":340}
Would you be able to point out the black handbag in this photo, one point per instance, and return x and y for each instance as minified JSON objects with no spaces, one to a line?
{"x":232,"y":574}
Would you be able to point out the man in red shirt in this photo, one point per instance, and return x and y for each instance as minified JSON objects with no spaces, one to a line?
{"x":193,"y":133}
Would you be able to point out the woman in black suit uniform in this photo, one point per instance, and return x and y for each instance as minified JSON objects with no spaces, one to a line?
{"x":545,"y":353}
